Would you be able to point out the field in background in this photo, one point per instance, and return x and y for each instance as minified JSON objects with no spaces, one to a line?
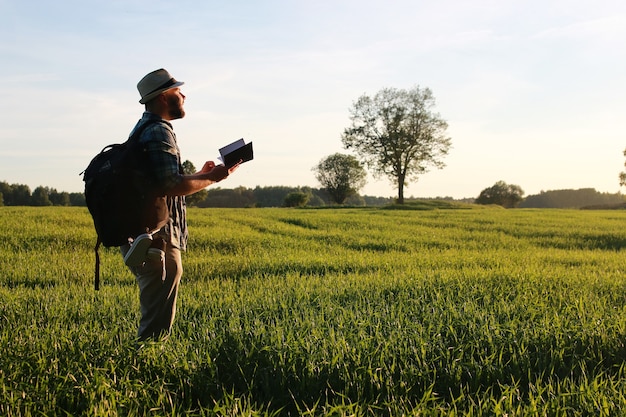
{"x":442,"y":310}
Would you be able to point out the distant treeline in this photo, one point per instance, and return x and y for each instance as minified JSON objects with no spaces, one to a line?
{"x":20,"y":195}
{"x":279,"y":196}
{"x":581,"y":198}
{"x":273,"y":196}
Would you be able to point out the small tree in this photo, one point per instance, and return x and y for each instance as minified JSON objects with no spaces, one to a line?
{"x":341,"y":176}
{"x":397,"y":134}
{"x":59,"y":198}
{"x":41,"y":197}
{"x":15,"y":194}
{"x":622,"y":175}
{"x":296,"y":199}
{"x":502,"y":194}
{"x":197,"y":197}
{"x":77,"y":199}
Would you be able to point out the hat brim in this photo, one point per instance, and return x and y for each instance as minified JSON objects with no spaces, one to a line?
{"x":156,"y":93}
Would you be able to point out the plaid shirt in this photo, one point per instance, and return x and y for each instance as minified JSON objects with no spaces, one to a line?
{"x":166,"y":169}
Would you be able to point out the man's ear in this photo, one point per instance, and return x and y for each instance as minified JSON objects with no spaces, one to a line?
{"x":161,"y":100}
{"x":157,"y":104}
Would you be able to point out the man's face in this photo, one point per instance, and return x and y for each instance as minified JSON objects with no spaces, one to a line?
{"x":175,"y":101}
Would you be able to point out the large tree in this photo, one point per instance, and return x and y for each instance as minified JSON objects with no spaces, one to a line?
{"x":397,"y":134}
{"x":341,"y":176}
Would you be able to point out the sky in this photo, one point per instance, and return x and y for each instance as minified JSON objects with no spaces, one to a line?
{"x":534,"y":91}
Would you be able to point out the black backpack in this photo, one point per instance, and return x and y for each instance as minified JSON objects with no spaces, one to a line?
{"x":121,"y":197}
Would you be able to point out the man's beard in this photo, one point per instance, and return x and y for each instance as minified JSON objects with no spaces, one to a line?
{"x":176,"y":110}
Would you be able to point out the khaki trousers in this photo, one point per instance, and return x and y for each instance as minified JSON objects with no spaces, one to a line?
{"x":158,"y":280}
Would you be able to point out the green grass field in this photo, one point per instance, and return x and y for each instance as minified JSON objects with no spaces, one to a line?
{"x":427,"y":311}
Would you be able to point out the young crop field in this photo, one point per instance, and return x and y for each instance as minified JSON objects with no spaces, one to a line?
{"x":427,"y":310}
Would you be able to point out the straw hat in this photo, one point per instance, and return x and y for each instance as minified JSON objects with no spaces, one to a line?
{"x":155,"y":83}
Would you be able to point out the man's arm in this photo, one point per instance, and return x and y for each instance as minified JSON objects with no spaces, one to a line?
{"x":165,"y":159}
{"x":192,"y":183}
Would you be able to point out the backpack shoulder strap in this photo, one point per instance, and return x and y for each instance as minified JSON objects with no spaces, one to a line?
{"x":97,"y":268}
{"x":139,"y":130}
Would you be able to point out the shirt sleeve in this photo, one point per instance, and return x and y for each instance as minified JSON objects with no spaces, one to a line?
{"x":163,"y":155}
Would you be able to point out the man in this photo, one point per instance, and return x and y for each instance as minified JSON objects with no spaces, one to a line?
{"x":160,"y":268}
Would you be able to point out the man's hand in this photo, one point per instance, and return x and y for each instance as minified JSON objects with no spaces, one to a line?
{"x":234,"y":167}
{"x":207,"y":167}
{"x":209,"y":174}
{"x":218,"y":172}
